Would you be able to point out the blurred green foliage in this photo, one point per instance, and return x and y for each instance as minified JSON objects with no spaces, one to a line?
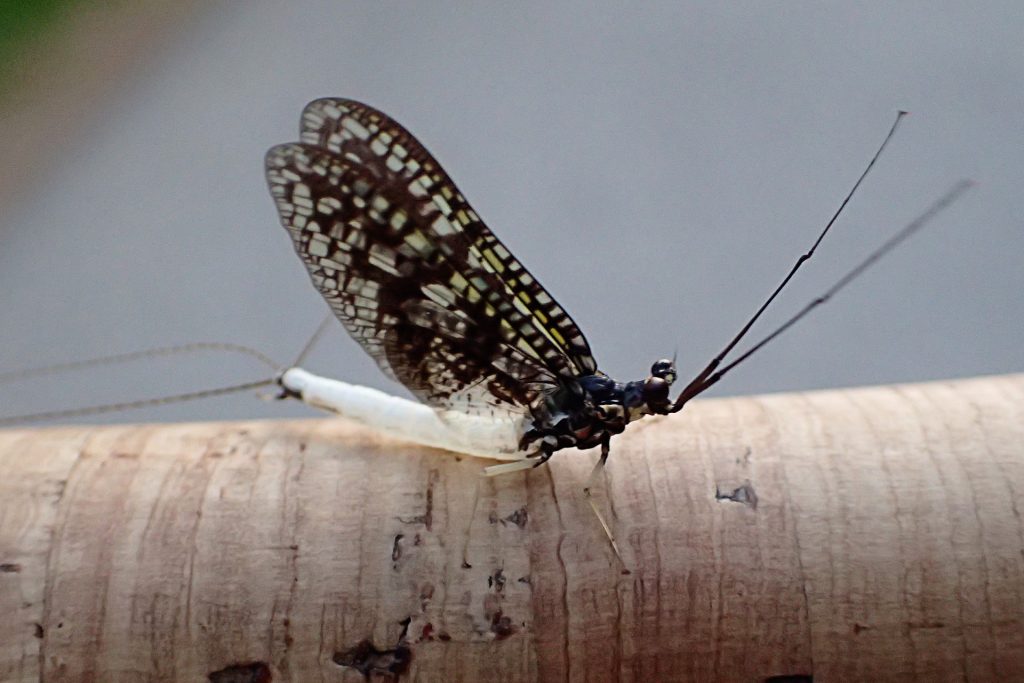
{"x":23,"y":21}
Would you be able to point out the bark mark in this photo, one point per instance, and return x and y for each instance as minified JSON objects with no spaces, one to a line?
{"x":744,"y":494}
{"x":250,"y":672}
{"x":368,"y":660}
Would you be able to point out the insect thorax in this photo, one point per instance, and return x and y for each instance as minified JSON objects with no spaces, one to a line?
{"x":586,"y":410}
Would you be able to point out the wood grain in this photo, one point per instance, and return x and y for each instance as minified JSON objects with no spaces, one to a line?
{"x":865,"y":534}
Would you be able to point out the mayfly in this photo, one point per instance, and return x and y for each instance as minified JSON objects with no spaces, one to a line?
{"x":414,"y":275}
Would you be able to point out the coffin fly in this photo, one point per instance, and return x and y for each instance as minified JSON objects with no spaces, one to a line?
{"x":500,"y":369}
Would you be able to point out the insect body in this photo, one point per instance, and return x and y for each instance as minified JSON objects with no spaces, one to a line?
{"x":437,"y":300}
{"x":425,"y":287}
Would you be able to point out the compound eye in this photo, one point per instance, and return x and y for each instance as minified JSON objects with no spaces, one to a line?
{"x":664,"y":369}
{"x":656,"y":391}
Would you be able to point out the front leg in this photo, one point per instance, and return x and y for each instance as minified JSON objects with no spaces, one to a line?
{"x":599,"y":465}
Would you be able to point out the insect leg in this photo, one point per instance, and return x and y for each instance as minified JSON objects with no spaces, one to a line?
{"x":469,"y":526}
{"x":605,"y":449}
{"x":528,"y":462}
{"x":545,"y":456}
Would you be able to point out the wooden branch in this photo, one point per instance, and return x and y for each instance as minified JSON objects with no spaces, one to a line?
{"x":867,"y":534}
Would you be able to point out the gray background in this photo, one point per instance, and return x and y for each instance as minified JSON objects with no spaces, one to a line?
{"x":658,"y":167}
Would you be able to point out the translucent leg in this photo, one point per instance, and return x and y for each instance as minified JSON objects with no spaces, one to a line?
{"x":469,"y":525}
{"x":605,"y":448}
{"x":528,"y":462}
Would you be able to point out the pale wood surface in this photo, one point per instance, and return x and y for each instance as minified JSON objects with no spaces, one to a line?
{"x":886,"y":543}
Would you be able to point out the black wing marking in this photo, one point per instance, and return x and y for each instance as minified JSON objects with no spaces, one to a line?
{"x":407,"y":286}
{"x":364,"y":136}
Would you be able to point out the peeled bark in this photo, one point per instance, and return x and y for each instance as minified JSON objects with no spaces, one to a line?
{"x":865,"y":534}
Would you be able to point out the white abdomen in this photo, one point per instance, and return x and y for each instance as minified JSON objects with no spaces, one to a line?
{"x":483,"y":436}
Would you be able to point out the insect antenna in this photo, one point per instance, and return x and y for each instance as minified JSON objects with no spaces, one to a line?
{"x":117,"y":359}
{"x":709,"y":376}
{"x":694,"y":387}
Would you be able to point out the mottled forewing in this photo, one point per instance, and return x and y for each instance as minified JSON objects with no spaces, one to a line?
{"x":364,"y":136}
{"x":402,"y":282}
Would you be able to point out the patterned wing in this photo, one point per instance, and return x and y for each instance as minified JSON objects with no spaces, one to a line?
{"x":442,"y":310}
{"x":366,"y":136}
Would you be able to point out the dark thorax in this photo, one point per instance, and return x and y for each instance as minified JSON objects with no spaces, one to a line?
{"x":585,"y":411}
